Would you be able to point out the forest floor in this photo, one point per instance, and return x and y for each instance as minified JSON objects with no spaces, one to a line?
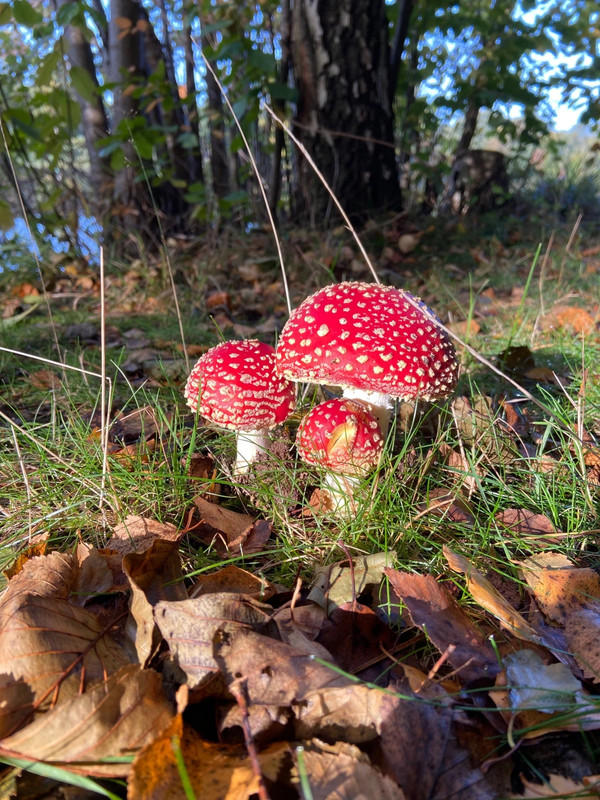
{"x":169,"y":630}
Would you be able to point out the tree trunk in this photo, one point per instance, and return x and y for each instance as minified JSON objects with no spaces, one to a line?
{"x":469,"y":127}
{"x":279,"y":107}
{"x":195,"y":169}
{"x":94,"y":120}
{"x":125,"y":56}
{"x":340,"y":57}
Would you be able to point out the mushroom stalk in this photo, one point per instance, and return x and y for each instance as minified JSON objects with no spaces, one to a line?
{"x":250,"y":444}
{"x":377,"y":404}
{"x":340,"y":490}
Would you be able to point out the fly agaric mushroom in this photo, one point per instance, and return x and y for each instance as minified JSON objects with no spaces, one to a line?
{"x":376,"y":342}
{"x":345,"y":439}
{"x":234,"y":385}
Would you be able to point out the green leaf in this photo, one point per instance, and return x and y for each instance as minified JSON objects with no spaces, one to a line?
{"x":117,"y":160}
{"x":6,"y":216}
{"x":264,"y":62}
{"x":83,"y":83}
{"x":47,"y":68}
{"x":5,"y":13}
{"x":25,"y":14}
{"x":67,"y":13}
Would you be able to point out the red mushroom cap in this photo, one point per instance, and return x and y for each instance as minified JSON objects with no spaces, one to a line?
{"x":368,"y":337}
{"x":340,"y":435}
{"x":237,"y":387}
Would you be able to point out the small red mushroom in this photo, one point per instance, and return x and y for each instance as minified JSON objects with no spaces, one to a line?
{"x":345,"y":439}
{"x":234,"y":385}
{"x":376,"y":342}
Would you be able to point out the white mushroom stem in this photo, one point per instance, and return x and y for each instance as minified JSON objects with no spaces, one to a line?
{"x":379,"y":405}
{"x":340,"y":491}
{"x":250,"y":444}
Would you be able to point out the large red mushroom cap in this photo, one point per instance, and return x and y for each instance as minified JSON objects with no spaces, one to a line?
{"x":368,"y":337}
{"x":235,"y":386}
{"x":342,"y":436}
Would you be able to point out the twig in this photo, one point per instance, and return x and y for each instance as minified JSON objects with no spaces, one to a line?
{"x":238,"y":690}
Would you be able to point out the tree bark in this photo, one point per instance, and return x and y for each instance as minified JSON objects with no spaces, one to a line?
{"x":469,"y":127}
{"x":340,"y":56}
{"x":94,"y":120}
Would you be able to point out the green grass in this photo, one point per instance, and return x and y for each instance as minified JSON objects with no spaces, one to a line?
{"x":51,"y":468}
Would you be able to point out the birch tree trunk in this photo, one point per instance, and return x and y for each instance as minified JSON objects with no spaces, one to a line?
{"x":340,"y":57}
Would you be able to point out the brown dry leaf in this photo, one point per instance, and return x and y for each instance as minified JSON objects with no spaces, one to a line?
{"x":465,"y":328}
{"x":94,"y":575}
{"x":333,"y":587}
{"x":216,"y":771}
{"x":520,"y":520}
{"x":420,"y":750}
{"x":546,"y":375}
{"x":484,"y":593}
{"x":343,"y":772}
{"x":559,"y":787}
{"x":356,"y":635}
{"x":299,"y":626}
{"x":576,"y":319}
{"x":136,"y":534}
{"x":190,"y":628}
{"x":448,"y":505}
{"x":154,"y":575}
{"x":434,"y":610}
{"x":36,"y":548}
{"x":228,"y":531}
{"x":217,"y":300}
{"x":559,"y":587}
{"x":110,"y":720}
{"x":538,"y":698}
{"x":48,"y":643}
{"x":44,"y":379}
{"x":582,"y":630}
{"x":200,"y":467}
{"x":235,"y":580}
{"x":350,"y":713}
{"x":291,"y":675}
{"x":16,"y":702}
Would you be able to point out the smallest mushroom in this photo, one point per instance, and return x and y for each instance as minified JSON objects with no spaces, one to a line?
{"x":345,"y":439}
{"x":234,"y":385}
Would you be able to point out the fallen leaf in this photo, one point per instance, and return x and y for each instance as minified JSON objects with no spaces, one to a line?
{"x":216,"y":771}
{"x":559,"y":787}
{"x":48,"y":643}
{"x":419,"y":748}
{"x":484,"y":593}
{"x":356,"y":636}
{"x":154,"y":575}
{"x":582,"y":631}
{"x":575,"y":319}
{"x":558,"y":586}
{"x":341,"y":771}
{"x":228,"y":531}
{"x":44,"y":379}
{"x":333,"y":586}
{"x":536,"y":698}
{"x":235,"y":580}
{"x":89,"y":732}
{"x":520,"y":520}
{"x":36,"y":548}
{"x":190,"y":627}
{"x":93,"y":575}
{"x":545,"y":375}
{"x":434,"y":610}
{"x":136,"y":534}
{"x":465,"y":328}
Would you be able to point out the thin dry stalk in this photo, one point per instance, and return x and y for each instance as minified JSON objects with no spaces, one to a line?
{"x":259,"y":179}
{"x":25,"y":481}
